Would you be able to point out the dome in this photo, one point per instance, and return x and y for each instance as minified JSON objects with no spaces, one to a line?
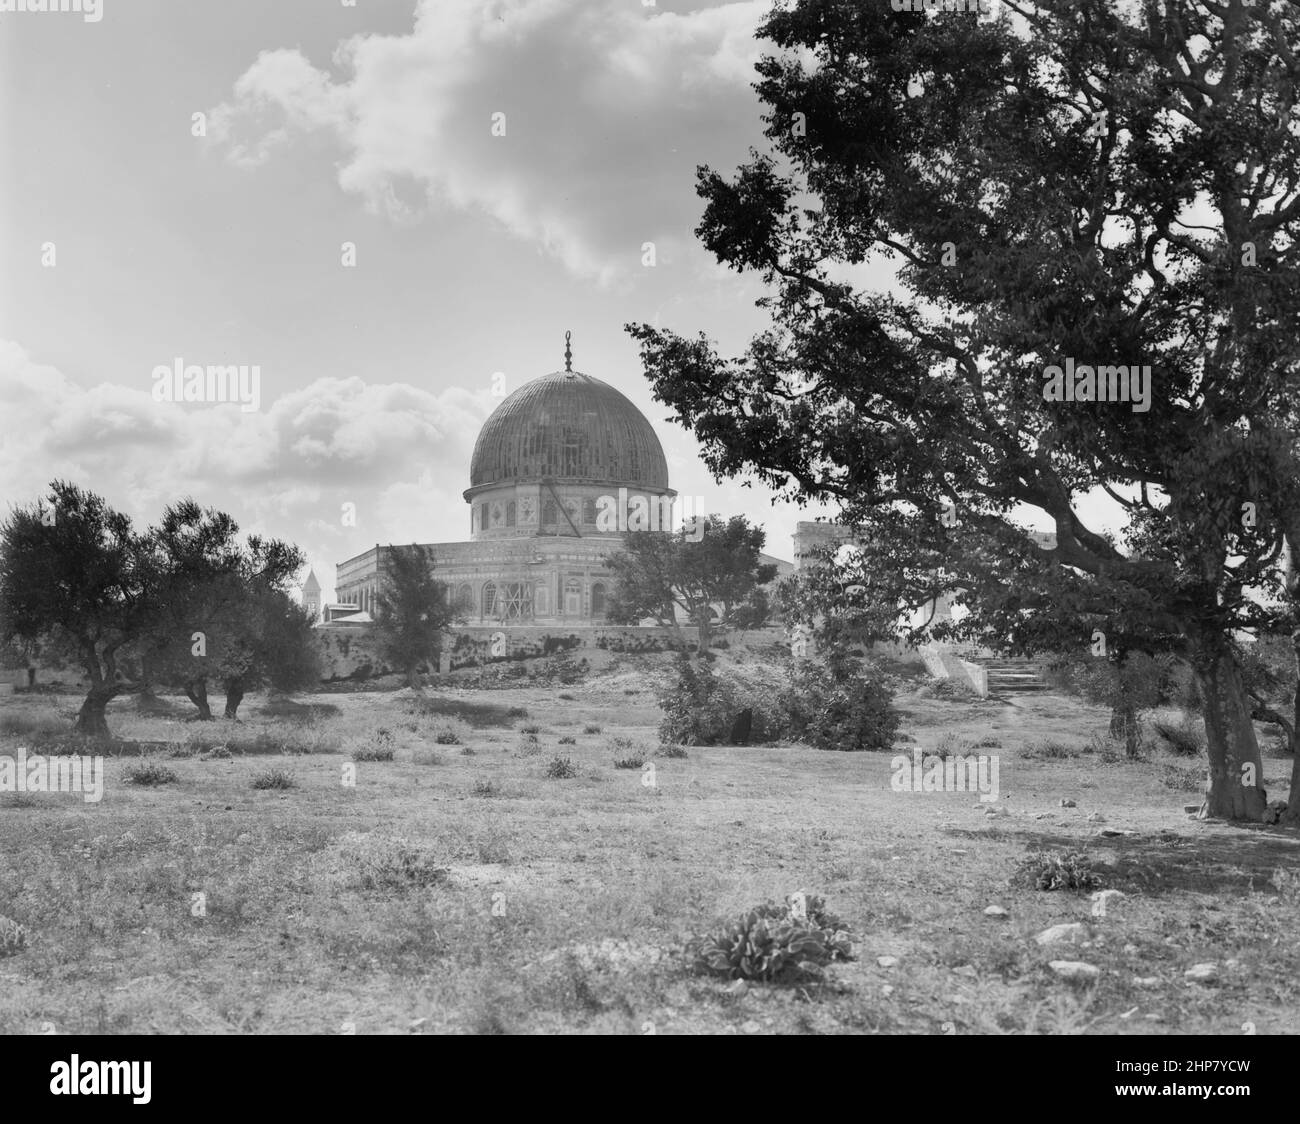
{"x":571,"y":428}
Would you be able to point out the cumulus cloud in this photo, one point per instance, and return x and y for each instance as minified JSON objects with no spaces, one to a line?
{"x":397,"y":452}
{"x":608,"y":110}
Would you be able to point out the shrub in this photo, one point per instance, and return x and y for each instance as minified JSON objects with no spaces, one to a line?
{"x":955,"y":690}
{"x":516,"y":712}
{"x":1051,"y":751}
{"x":842,"y":704}
{"x":988,"y":742}
{"x":699,"y":707}
{"x":1052,"y":870}
{"x":380,"y":862}
{"x":591,"y":729}
{"x":220,"y":752}
{"x":674,"y":751}
{"x":148,"y":773}
{"x":772,"y":942}
{"x":951,"y":746}
{"x":561,"y":768}
{"x":1182,"y":780}
{"x":445,"y":735}
{"x":272,"y":778}
{"x":532,"y":728}
{"x":467,"y":751}
{"x":568,"y":739}
{"x":373,"y":753}
{"x":567,"y":697}
{"x":484,"y":788}
{"x":633,"y":762}
{"x":13,"y":937}
{"x":1183,"y":738}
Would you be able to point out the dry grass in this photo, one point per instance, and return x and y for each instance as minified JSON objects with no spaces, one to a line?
{"x":484,"y":897}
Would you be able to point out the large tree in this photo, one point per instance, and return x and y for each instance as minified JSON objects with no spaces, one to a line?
{"x":716,"y":569}
{"x":221,"y":607}
{"x":413,"y":610}
{"x":75,"y":573}
{"x":1074,"y":183}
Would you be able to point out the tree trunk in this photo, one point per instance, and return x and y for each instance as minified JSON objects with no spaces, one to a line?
{"x":197,"y":693}
{"x":702,"y":628}
{"x":1236,"y":773}
{"x":1291,"y":817}
{"x":1124,"y":724}
{"x":234,"y":696}
{"x":92,"y":722}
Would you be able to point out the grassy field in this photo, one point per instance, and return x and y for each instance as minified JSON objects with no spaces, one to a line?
{"x":459,"y":887}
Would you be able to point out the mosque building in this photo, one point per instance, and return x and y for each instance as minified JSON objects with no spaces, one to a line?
{"x":552,"y":467}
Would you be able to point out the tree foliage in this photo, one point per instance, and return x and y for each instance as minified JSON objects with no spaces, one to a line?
{"x":659,"y":572}
{"x":412,"y":611}
{"x":1083,"y":184}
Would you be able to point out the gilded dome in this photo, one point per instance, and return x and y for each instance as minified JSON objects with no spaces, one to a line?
{"x":570,"y":428}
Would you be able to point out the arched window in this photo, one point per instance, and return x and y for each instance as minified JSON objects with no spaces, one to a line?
{"x":542,"y":598}
{"x":598,"y":599}
{"x":489,"y":599}
{"x":549,"y":514}
{"x":510,"y":513}
{"x":588,"y":511}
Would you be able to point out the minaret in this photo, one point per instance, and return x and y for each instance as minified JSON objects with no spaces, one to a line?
{"x":311,"y":595}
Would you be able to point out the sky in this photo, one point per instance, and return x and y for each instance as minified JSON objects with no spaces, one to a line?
{"x":181,"y":181}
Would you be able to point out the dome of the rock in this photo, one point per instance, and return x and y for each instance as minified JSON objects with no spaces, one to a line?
{"x":568,"y":428}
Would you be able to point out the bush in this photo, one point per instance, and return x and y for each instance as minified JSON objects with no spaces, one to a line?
{"x":1183,"y":738}
{"x":674,"y":751}
{"x":699,"y":707}
{"x":517,"y":712}
{"x":633,"y":762}
{"x":373,"y":753}
{"x":1052,"y":870}
{"x":951,"y":746}
{"x":445,"y":735}
{"x":532,"y":728}
{"x":842,"y":704}
{"x":1051,"y":750}
{"x":568,"y":739}
{"x":561,"y":769}
{"x":591,"y":729}
{"x":955,"y":690}
{"x":772,"y":942}
{"x":148,"y":773}
{"x":484,"y":788}
{"x":13,"y":937}
{"x":566,"y":697}
{"x":380,"y":862}
{"x":272,"y":778}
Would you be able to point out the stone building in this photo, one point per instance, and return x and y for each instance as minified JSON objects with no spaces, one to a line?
{"x":562,"y":468}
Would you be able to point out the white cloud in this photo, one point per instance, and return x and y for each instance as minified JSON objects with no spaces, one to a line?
{"x":609,"y":108}
{"x":399,"y":453}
